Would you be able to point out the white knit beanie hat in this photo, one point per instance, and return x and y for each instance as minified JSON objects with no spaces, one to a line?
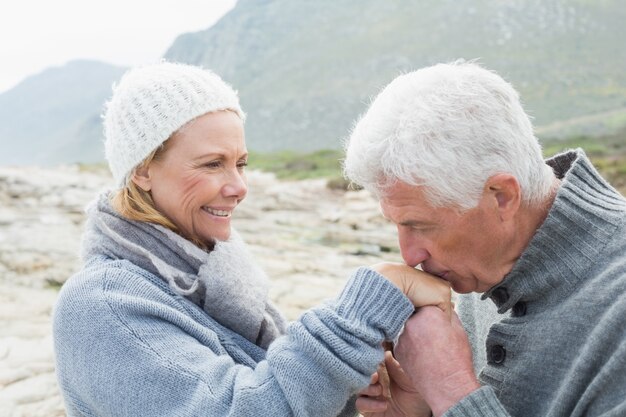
{"x":150,"y":103}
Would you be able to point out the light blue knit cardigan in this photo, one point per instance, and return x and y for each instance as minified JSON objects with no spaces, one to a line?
{"x":126,"y":345}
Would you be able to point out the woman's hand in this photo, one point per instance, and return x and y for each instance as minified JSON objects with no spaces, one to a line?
{"x":391,"y":394}
{"x":421,"y":288}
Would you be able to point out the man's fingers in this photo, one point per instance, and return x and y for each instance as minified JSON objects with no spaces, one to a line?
{"x":446,"y":309}
{"x":446,"y":304}
{"x":374,"y":378}
{"x":383,"y":380}
{"x":371,"y":405}
{"x":456,"y":321}
{"x":373,"y":390}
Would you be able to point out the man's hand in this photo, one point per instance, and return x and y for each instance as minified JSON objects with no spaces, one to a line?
{"x":436,"y":356}
{"x":391,"y":394}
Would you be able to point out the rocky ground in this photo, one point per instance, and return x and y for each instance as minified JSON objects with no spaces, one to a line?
{"x":306,"y":236}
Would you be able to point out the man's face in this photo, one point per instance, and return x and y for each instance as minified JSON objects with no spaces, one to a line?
{"x":466,"y":249}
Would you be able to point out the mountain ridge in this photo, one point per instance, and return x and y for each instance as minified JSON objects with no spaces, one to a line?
{"x":54,"y":116}
{"x":305,"y":70}
{"x":323,"y":68}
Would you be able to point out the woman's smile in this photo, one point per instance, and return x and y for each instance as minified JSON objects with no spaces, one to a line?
{"x":223,"y":213}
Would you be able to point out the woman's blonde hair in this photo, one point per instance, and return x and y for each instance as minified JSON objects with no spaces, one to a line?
{"x":134,"y":203}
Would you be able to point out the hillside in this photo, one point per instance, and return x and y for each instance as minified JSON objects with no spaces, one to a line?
{"x":54,"y":116}
{"x":306,"y":70}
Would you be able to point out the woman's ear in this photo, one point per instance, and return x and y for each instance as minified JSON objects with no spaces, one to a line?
{"x":141,"y":177}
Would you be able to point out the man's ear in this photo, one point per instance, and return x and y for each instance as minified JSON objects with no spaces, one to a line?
{"x":504,"y":192}
{"x":141,"y":177}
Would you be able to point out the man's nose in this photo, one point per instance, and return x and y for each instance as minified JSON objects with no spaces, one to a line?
{"x":413,"y":250}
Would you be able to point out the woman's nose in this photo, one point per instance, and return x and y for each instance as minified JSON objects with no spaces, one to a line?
{"x":236,"y":185}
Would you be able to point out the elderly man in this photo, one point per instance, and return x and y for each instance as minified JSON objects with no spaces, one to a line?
{"x":536,"y":249}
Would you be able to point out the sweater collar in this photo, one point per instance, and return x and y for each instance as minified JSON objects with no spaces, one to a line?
{"x":582,"y":219}
{"x":226,"y":282}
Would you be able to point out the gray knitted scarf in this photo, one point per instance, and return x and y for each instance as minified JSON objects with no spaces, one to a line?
{"x":224,"y":282}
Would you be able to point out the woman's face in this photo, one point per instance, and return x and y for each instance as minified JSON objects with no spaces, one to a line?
{"x":198,"y":179}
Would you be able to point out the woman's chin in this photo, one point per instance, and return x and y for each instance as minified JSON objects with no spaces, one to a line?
{"x":208,"y":240}
{"x":219,"y":236}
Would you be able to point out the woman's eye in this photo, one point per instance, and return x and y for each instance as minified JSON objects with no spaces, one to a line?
{"x":213,"y":164}
{"x":242,"y":164}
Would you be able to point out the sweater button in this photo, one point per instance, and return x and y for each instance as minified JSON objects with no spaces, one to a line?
{"x":500,"y":295}
{"x":519,"y":309}
{"x":497,"y":353}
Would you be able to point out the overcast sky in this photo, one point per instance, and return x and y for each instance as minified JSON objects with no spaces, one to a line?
{"x":36,"y":34}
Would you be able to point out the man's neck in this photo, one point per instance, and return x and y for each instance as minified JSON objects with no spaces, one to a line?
{"x":529,"y":220}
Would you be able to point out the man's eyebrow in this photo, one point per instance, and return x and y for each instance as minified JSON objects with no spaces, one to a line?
{"x":413,"y":223}
{"x":407,"y":223}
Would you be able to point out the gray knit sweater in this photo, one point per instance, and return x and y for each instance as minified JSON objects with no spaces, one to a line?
{"x":550,"y":340}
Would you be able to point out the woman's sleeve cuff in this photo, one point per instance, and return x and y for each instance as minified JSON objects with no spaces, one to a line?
{"x":371,"y":297}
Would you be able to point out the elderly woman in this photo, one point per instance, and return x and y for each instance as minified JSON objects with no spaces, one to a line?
{"x":169,"y":315}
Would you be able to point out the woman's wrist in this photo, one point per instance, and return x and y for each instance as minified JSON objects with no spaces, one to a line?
{"x":372,"y":299}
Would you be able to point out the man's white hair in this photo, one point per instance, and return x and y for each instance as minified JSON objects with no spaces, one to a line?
{"x":449,"y":128}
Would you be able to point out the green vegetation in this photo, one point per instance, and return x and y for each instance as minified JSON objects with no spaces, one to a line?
{"x":291,"y":165}
{"x":608,"y":154}
{"x":53,"y":284}
{"x":298,"y":166}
